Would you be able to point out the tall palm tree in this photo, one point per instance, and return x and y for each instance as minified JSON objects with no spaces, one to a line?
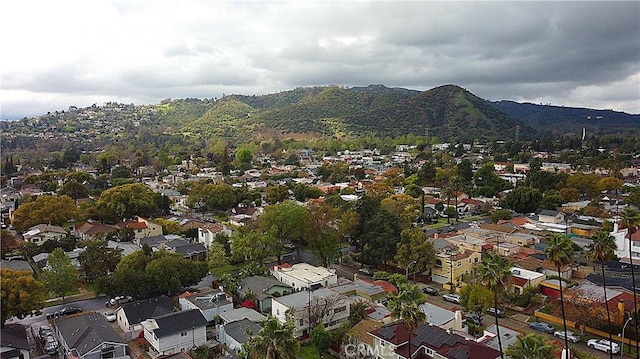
{"x":495,"y":272}
{"x":560,"y":253}
{"x":530,"y":346}
{"x":631,"y":219}
{"x":406,"y":306}
{"x":274,"y":341}
{"x":602,"y":249}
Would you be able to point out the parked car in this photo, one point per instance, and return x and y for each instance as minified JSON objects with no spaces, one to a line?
{"x":495,"y":312}
{"x":453,"y":298}
{"x":543,"y":327}
{"x":430,"y":291}
{"x":70,"y":310}
{"x":50,"y":345}
{"x":110,"y":316}
{"x":603,"y":345}
{"x":44,"y":331}
{"x":120,"y":300}
{"x":571,"y":336}
{"x":365,"y":271}
{"x":472,"y":318}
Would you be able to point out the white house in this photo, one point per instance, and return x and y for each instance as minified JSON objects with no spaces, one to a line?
{"x":622,"y":243}
{"x":524,"y":278}
{"x":304,"y":275}
{"x":210,"y":304}
{"x":130,"y":316}
{"x":322,"y":306}
{"x":89,"y":336}
{"x":41,"y":233}
{"x":175,"y":332}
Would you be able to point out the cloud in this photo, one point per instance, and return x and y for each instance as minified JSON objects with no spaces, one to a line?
{"x":75,"y":52}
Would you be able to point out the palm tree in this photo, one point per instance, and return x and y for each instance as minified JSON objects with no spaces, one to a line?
{"x":406,"y":306}
{"x":560,"y":253}
{"x":274,"y":341}
{"x":602,"y":249}
{"x":494,"y":272}
{"x":530,"y":346}
{"x":631,"y":219}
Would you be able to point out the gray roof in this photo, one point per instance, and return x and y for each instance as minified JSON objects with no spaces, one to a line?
{"x":85,"y":332}
{"x":152,"y":241}
{"x":359,"y":285}
{"x":259,"y":284}
{"x":301,"y":299}
{"x":437,"y":315}
{"x":14,"y":336}
{"x":177,"y":322}
{"x":17,"y":265}
{"x":142,"y":310}
{"x":190,"y":249}
{"x":507,"y":335}
{"x":241,"y":314}
{"x":238,"y":330}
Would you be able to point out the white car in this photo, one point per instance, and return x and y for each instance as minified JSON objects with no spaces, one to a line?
{"x":603,"y":345}
{"x":110,"y":316}
{"x":570,"y":336}
{"x":453,"y":298}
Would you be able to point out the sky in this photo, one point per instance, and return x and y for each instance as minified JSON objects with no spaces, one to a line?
{"x":60,"y":53}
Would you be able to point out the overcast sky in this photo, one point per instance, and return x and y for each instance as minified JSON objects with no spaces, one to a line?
{"x":58,"y":53}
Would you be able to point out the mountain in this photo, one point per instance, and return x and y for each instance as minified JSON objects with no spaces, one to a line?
{"x":571,"y":119}
{"x":447,"y":112}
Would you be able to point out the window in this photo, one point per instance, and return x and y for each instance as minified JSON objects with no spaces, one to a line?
{"x":183,"y":334}
{"x":382,"y":343}
{"x":459,"y":263}
{"x":428,"y":351}
{"x":476,"y":260}
{"x":340,"y":309}
{"x":277,"y":311}
{"x":301,"y":321}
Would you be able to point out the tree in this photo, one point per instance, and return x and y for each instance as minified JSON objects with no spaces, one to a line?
{"x":126,"y":201}
{"x":504,"y":214}
{"x":274,"y":341}
{"x":631,"y":218}
{"x":602,"y":249}
{"x":169,"y":271}
{"x":55,"y":210}
{"x":285,"y":223}
{"x":320,"y":232}
{"x":357,"y":312}
{"x":403,"y":206}
{"x":476,"y":298}
{"x":495,"y":272}
{"x":530,"y":346}
{"x":560,"y":253}
{"x":277,"y":193}
{"x":218,"y":259}
{"x":8,"y":243}
{"x":244,"y":158}
{"x":522,"y":199}
{"x":406,"y":306}
{"x":99,"y":260}
{"x":21,"y":294}
{"x":379,"y":237}
{"x":74,"y":189}
{"x":320,"y":338}
{"x":62,"y":275}
{"x":415,"y":251}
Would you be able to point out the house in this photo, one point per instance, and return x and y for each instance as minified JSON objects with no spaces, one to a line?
{"x":263,"y":289}
{"x":14,"y":343}
{"x":210,"y":304}
{"x":359,"y":339}
{"x":89,"y":336}
{"x":92,"y":230}
{"x":241,"y":313}
{"x":191,"y":251}
{"x":549,"y":216}
{"x":175,"y":332}
{"x":362,"y":289}
{"x":621,"y":236}
{"x":508,"y":337}
{"x":207,"y":232}
{"x":142,"y":228}
{"x":130,"y":315}
{"x":304,"y":275}
{"x":41,"y":233}
{"x":429,"y":341}
{"x":16,"y":264}
{"x":321,"y":306}
{"x":442,"y":317}
{"x":235,"y":334}
{"x":452,"y":262}
{"x":523,"y":278}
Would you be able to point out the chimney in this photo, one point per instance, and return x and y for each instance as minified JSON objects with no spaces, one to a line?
{"x":457,"y":320}
{"x":621,"y":312}
{"x":615,"y":227}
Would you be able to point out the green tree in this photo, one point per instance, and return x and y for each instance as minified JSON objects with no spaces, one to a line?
{"x":560,"y":252}
{"x":218,"y":259}
{"x":530,"y":346}
{"x":252,"y":245}
{"x":405,"y":305}
{"x":522,"y":199}
{"x":357,"y":312}
{"x":320,"y":232}
{"x":74,"y":189}
{"x":21,"y":294}
{"x":62,"y":275}
{"x":126,"y":201}
{"x":320,"y":338}
{"x":476,"y":298}
{"x":501,"y":214}
{"x":380,"y":237}
{"x":168,"y":271}
{"x":274,"y":341}
{"x":98,"y":259}
{"x":495,"y":272}
{"x":602,"y":249}
{"x":415,"y":251}
{"x":285,"y":222}
{"x":276,"y":193}
{"x":244,"y":158}
{"x":55,"y":210}
{"x":8,"y":243}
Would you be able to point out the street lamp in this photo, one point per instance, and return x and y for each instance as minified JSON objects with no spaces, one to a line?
{"x":622,"y":340}
{"x":406,"y":274}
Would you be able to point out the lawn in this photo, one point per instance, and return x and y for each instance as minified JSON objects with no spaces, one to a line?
{"x":310,"y":352}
